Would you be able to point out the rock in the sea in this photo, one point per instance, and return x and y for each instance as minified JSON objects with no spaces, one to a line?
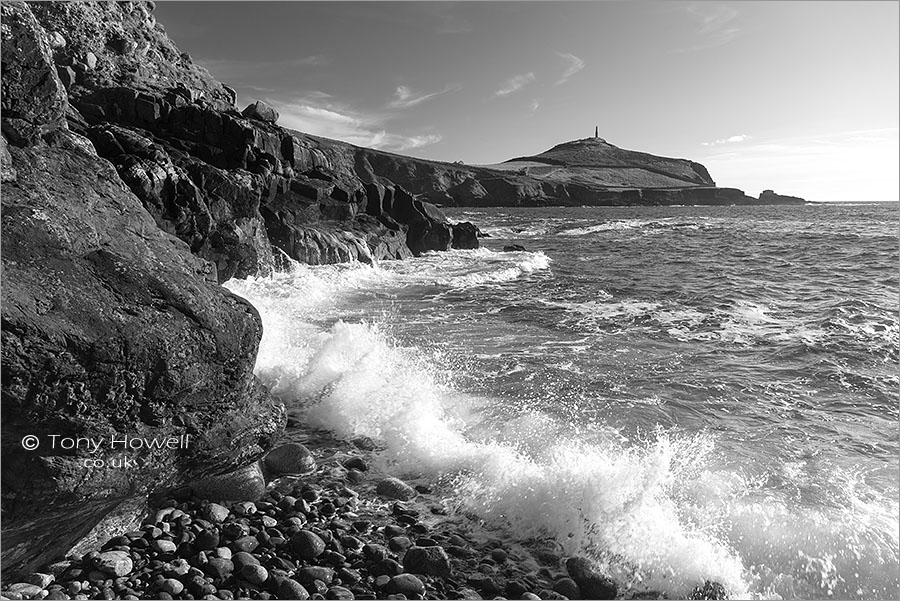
{"x":431,"y":561}
{"x":394,"y":488}
{"x":465,"y":235}
{"x":593,"y":584}
{"x":246,"y":483}
{"x":117,"y":563}
{"x":290,"y":458}
{"x":513,"y":248}
{"x":260,"y":111}
{"x":770,"y":197}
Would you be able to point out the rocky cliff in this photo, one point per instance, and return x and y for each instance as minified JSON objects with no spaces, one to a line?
{"x":132,"y":186}
{"x":589,"y":172}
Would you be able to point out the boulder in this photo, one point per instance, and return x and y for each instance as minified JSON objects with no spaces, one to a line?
{"x":290,"y":458}
{"x":431,"y":561}
{"x":465,"y":235}
{"x":110,"y":327}
{"x":394,"y":488}
{"x":260,"y":111}
{"x":33,"y":98}
{"x":406,"y":584}
{"x":288,"y":588}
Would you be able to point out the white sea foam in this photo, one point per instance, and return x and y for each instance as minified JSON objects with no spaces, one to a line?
{"x":648,"y":225}
{"x":611,"y":500}
{"x":660,"y":512}
{"x":468,"y":268}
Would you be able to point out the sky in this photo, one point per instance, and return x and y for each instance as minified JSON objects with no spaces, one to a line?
{"x":798,"y":97}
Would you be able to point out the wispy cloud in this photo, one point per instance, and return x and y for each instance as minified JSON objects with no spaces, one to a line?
{"x":514,"y":84}
{"x":834,"y":166}
{"x":405,"y":98}
{"x":242,"y":72}
{"x":715,"y":25}
{"x":730,"y":140}
{"x":321,"y":114}
{"x":573,"y":66}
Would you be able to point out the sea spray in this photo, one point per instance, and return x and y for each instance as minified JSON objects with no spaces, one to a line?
{"x":612,"y":502}
{"x":530,"y":396}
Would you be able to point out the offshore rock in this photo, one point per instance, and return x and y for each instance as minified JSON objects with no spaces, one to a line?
{"x":770,"y":197}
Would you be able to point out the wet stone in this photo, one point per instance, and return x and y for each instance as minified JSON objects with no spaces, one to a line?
{"x":254,"y":574}
{"x":308,"y":545}
{"x":431,"y":561}
{"x":406,"y":584}
{"x":339,"y":592}
{"x":394,"y":488}
{"x":171,"y":586}
{"x":290,"y":458}
{"x":310,"y":574}
{"x":567,"y":587}
{"x":356,"y":463}
{"x":288,"y":588}
{"x":114,"y":562}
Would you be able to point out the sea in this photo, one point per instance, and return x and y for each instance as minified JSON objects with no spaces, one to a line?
{"x":680,"y":393}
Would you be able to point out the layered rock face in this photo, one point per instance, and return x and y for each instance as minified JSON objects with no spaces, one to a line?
{"x":237,"y":188}
{"x":589,"y":172}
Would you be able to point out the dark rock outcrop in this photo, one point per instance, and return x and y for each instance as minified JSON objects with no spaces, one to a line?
{"x":131,"y":187}
{"x":111,"y":328}
{"x":770,"y":197}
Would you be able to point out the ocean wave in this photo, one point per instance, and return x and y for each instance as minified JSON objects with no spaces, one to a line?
{"x":467,"y":268}
{"x":353,"y":381}
{"x":631,"y":224}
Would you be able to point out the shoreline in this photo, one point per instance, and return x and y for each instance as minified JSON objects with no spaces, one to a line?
{"x":379,"y":538}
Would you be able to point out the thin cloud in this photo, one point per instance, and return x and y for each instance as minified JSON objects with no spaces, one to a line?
{"x":730,"y":140}
{"x":832,"y":166}
{"x":241,"y":72}
{"x":573,"y":66}
{"x":405,"y":98}
{"x":715,"y":25}
{"x":319,"y":114}
{"x":514,"y":84}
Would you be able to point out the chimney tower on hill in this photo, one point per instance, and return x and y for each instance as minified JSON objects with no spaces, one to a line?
{"x":596,"y":131}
